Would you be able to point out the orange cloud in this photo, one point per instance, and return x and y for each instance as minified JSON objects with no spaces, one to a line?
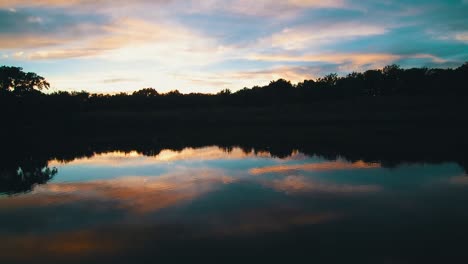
{"x":122,"y":39}
{"x":135,"y":159}
{"x":347,"y":61}
{"x":135,"y":194}
{"x":291,"y":73}
{"x":28,"y":41}
{"x":64,"y":54}
{"x":323,"y":166}
{"x":355,"y":58}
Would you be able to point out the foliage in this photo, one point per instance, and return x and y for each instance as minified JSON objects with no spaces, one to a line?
{"x":16,"y":80}
{"x":389,"y":82}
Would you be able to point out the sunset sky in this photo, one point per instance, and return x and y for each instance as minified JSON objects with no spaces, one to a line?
{"x":205,"y":46}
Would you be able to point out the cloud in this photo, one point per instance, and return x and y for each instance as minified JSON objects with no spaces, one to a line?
{"x":300,"y":184}
{"x":120,"y":80}
{"x":431,"y":57}
{"x":18,"y":54}
{"x":124,"y":39}
{"x":346,"y":62}
{"x":135,"y":159}
{"x":237,"y":79}
{"x":323,"y":166}
{"x":292,"y":73}
{"x":28,"y":41}
{"x":136,"y":194}
{"x":167,"y":45}
{"x":76,"y":3}
{"x":461,"y":36}
{"x":258,"y":8}
{"x":64,"y":54}
{"x":317,"y":34}
{"x":32,"y":29}
{"x":343,"y":62}
{"x":450,"y":35}
{"x":338,"y":58}
{"x":241,"y":5}
{"x":316,"y":3}
{"x":209,"y":83}
{"x":287,"y":8}
{"x":54,"y":36}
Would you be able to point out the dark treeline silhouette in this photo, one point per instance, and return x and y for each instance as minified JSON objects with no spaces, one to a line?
{"x":389,"y":95}
{"x":18,"y":87}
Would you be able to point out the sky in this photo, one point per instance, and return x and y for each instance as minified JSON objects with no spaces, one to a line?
{"x":110,"y":46}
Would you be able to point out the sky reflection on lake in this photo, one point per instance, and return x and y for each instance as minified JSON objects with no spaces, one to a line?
{"x":207,"y":202}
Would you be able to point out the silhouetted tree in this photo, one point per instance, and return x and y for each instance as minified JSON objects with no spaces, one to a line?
{"x":391,"y":75}
{"x":280,"y":85}
{"x":225,"y":92}
{"x":22,"y":175}
{"x":329,"y":80}
{"x":306,"y":84}
{"x":413,"y":81}
{"x":14,"y":79}
{"x":373,"y":81}
{"x":174,"y":93}
{"x":146,"y":92}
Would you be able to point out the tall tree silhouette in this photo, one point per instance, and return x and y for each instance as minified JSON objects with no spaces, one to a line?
{"x":16,"y":80}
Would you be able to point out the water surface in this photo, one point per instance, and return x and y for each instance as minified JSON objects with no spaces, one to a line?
{"x":220,"y":204}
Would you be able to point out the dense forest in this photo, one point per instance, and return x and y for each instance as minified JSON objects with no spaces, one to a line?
{"x":19,"y":87}
{"x":386,"y":96}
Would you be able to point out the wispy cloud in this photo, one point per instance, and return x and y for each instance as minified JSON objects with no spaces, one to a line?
{"x":300,"y":184}
{"x":125,"y":39}
{"x":285,"y":8}
{"x":75,"y":3}
{"x":120,"y":80}
{"x":356,"y":58}
{"x":242,"y":7}
{"x":317,"y":34}
{"x":323,"y":166}
{"x":137,"y":194}
{"x":346,"y":62}
{"x":462,"y":36}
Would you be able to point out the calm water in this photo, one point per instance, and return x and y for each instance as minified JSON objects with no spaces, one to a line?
{"x":209,"y":204}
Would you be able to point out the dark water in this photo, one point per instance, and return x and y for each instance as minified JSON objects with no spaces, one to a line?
{"x":210,"y":204}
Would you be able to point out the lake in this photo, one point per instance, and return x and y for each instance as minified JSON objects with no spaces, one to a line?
{"x":220,"y":204}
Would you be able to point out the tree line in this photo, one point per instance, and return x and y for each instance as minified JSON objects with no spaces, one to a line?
{"x":391,"y":81}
